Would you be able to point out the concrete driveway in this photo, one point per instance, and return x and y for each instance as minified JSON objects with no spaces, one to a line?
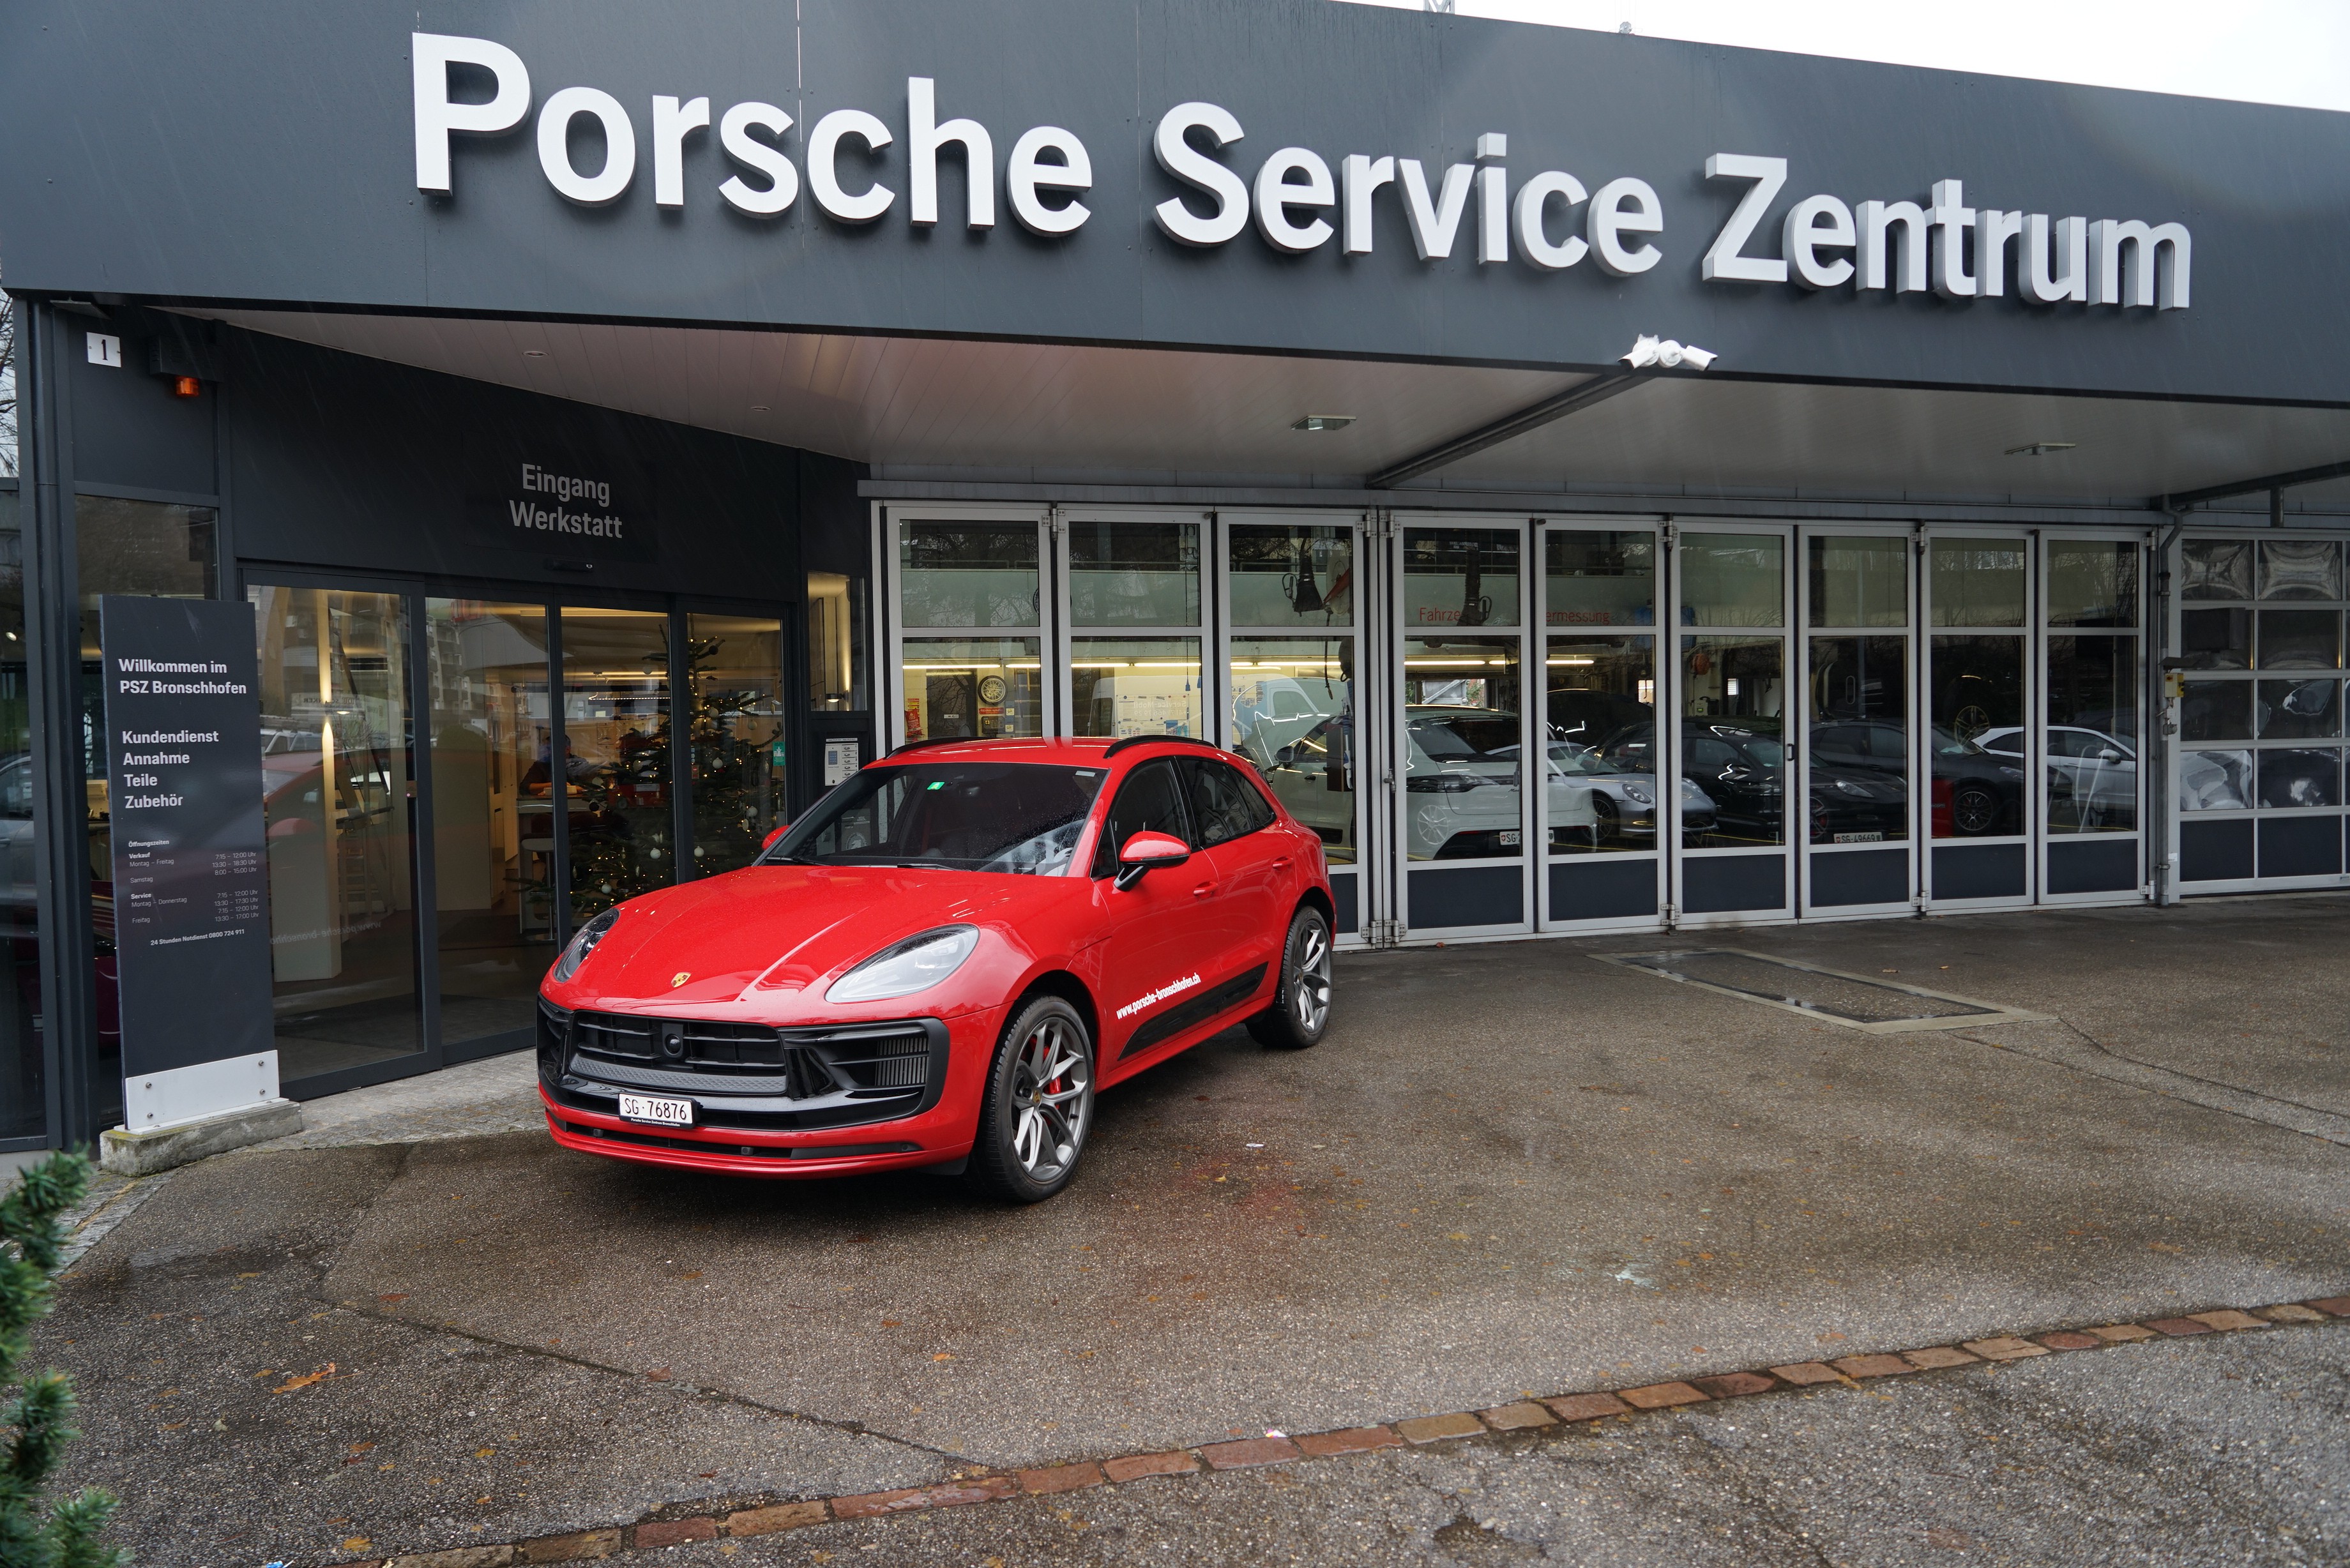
{"x":1510,"y":1170}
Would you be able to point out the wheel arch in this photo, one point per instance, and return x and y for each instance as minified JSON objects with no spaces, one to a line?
{"x":1065,"y":985}
{"x":1319,"y":897}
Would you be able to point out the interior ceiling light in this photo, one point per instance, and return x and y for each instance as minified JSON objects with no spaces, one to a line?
{"x":2042,"y":448}
{"x":1323,"y":423}
{"x":534,"y":353}
{"x":758,"y":408}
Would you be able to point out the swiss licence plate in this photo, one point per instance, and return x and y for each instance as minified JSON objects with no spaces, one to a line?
{"x":649,"y":1109}
{"x":1512,"y":837}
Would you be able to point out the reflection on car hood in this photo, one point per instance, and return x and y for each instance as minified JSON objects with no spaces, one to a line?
{"x":783,"y":927}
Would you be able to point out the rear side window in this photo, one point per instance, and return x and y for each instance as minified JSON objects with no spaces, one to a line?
{"x":1149,"y":800}
{"x":1224,"y":805}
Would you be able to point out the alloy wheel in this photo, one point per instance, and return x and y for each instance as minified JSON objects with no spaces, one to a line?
{"x":1050,"y":1098}
{"x":1309,"y":995}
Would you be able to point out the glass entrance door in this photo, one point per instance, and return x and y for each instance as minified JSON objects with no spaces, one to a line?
{"x":1730,"y":748}
{"x":1860,"y":742}
{"x":1464,"y":729}
{"x":495,"y":889}
{"x":340,"y":805}
{"x":1981,"y":708}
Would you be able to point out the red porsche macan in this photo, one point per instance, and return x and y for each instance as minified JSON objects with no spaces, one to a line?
{"x":941,"y":964}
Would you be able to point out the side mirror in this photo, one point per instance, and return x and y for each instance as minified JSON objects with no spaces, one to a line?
{"x":769,"y":842}
{"x":2109,"y":755}
{"x":1147,"y":852}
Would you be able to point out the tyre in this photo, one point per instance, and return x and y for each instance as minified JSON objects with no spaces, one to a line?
{"x":1607,"y":821}
{"x":1974,"y":809}
{"x":1301,"y":1000}
{"x":1039,"y":1103}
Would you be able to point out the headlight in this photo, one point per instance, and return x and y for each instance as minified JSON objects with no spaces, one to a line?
{"x":1638,"y":795}
{"x":904,"y":968}
{"x":1445,"y":783}
{"x":583,"y":942}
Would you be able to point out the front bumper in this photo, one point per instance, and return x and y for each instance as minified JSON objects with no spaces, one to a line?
{"x":786,"y":1102}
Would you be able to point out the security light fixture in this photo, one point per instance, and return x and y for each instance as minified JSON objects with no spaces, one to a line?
{"x":2042,"y":448}
{"x":1323,"y":423}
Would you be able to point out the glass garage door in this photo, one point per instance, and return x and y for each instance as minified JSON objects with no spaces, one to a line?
{"x":1290,"y":661}
{"x":1603,"y":825}
{"x":1463,"y":728}
{"x":2258,"y":768}
{"x":1981,"y":711}
{"x":1861,"y":740}
{"x":2092,"y":693}
{"x":1730,"y":748}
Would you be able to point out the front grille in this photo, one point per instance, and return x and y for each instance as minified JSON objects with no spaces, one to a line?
{"x":747,"y":1074}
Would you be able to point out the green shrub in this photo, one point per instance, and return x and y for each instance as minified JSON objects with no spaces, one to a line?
{"x":39,"y":1418}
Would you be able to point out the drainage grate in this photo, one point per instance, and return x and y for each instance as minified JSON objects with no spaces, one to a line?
{"x":1856,"y":1002}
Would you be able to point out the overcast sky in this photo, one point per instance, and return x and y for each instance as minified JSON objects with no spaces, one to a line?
{"x":2266,"y":51}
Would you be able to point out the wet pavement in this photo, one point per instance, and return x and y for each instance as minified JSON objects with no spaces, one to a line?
{"x":1509,"y":1170}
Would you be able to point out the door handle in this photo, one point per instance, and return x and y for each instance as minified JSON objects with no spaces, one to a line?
{"x":1203,"y":889}
{"x":1281,"y":862}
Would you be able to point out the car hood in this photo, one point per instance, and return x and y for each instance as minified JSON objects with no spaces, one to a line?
{"x":770,"y":930}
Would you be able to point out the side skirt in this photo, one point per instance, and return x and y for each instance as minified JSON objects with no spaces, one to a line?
{"x":1199,"y":1010}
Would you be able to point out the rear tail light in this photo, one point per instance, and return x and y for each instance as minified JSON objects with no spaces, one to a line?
{"x":1943,"y":821}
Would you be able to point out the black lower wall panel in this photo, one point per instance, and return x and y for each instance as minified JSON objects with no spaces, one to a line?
{"x":1979,"y":871}
{"x":1601,"y":888}
{"x":1342,"y":892}
{"x":1859,"y":877}
{"x":2300,"y":846}
{"x":2215,"y":851}
{"x":1465,"y":896}
{"x":2098,"y":865}
{"x":1720,"y":886}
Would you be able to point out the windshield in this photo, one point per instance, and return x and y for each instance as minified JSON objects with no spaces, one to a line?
{"x":1018,"y":819}
{"x":1950,"y":745}
{"x":1762,"y":749}
{"x":1570,"y":758}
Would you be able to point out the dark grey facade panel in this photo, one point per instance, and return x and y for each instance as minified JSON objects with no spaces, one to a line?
{"x":351,"y":462}
{"x":289,"y":175}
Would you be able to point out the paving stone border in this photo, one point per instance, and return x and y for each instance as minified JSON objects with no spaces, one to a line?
{"x":681,"y":1525}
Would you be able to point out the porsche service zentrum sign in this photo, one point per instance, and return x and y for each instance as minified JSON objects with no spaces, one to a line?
{"x":855,"y":169}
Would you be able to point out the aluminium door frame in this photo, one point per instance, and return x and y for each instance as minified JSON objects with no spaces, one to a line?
{"x":1659,"y":633}
{"x":1920,"y":801}
{"x":1398,"y":739}
{"x":2142,"y":891}
{"x":2028,"y":535}
{"x":1358,"y":633}
{"x":1677,"y":528}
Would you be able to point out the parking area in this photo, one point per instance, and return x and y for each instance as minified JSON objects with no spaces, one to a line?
{"x":1510,"y":1169}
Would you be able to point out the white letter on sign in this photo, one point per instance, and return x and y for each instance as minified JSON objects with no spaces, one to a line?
{"x":1191,"y":166}
{"x":606,"y":184}
{"x":432,"y":54}
{"x":1724,"y":262}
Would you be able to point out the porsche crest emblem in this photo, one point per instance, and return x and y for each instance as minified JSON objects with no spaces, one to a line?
{"x":680,"y":977}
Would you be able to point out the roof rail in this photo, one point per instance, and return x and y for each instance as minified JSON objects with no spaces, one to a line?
{"x":1116,"y":746}
{"x":934,"y":741}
